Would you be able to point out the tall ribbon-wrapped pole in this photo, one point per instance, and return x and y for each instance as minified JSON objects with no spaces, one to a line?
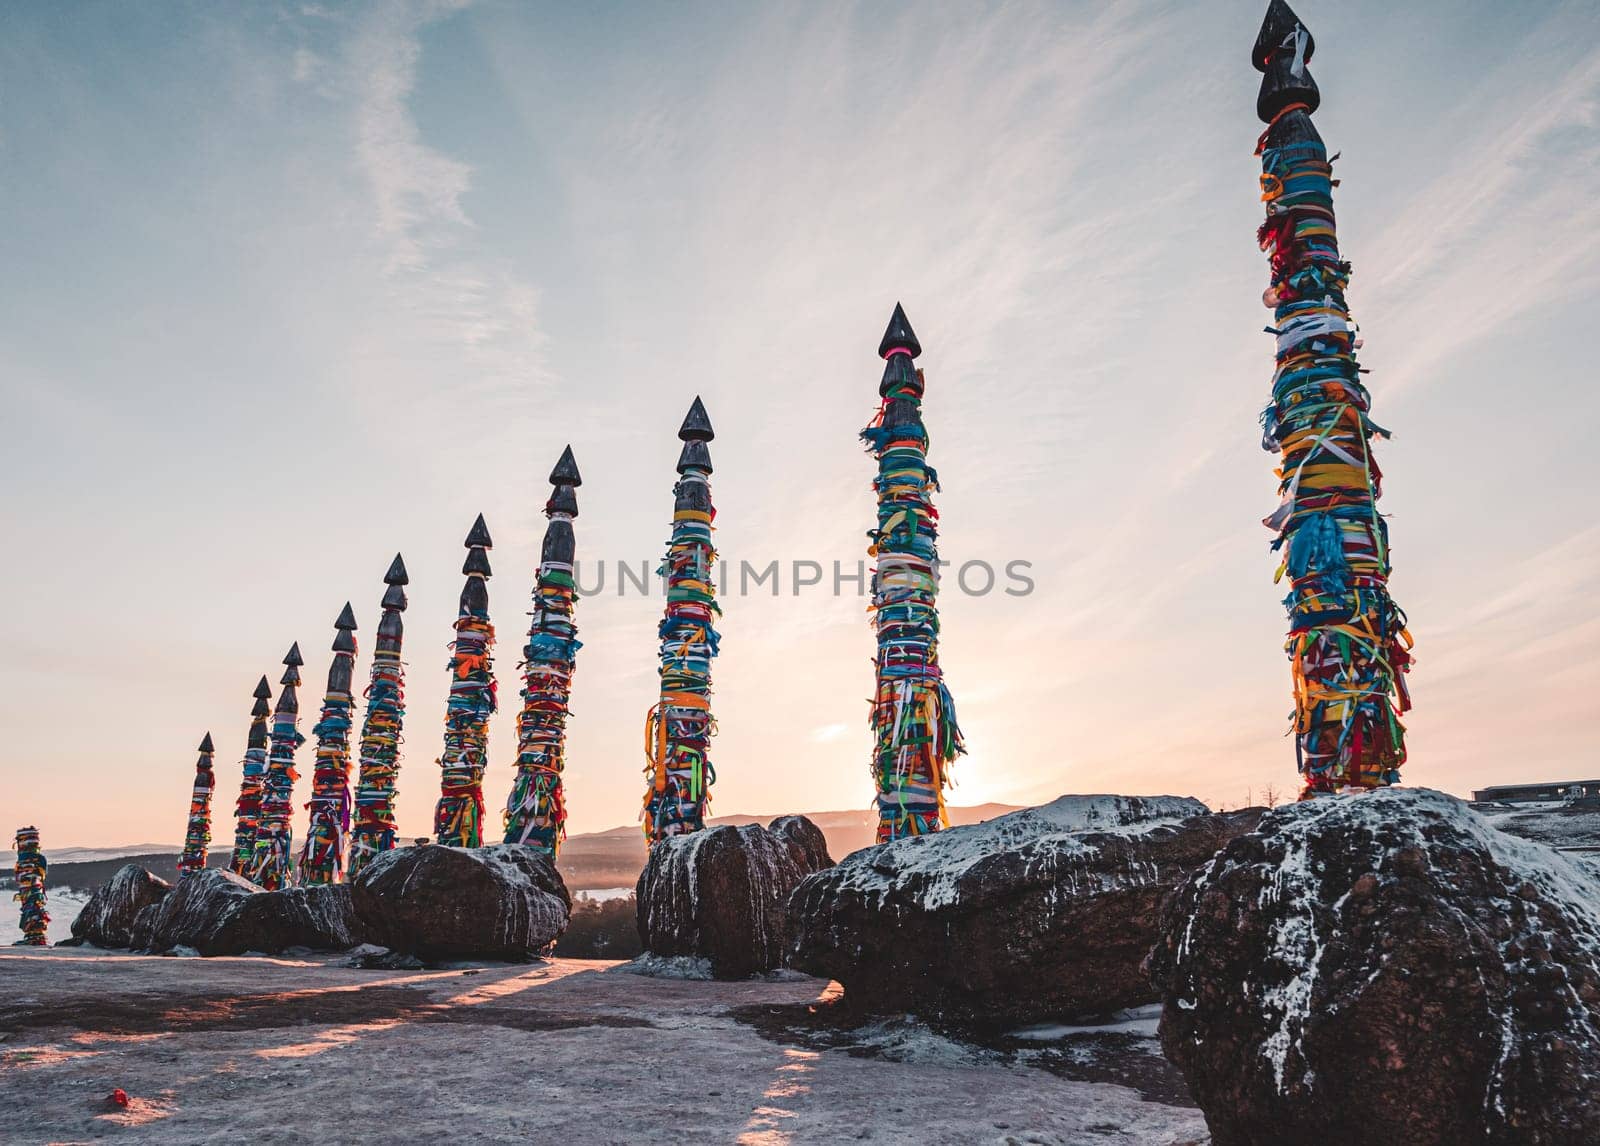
{"x":374,"y":828}
{"x":536,"y":810}
{"x":1348,"y":643}
{"x":458,"y":818}
{"x":247,"y":811}
{"x":29,"y":868}
{"x":197,"y":838}
{"x":913,"y":717}
{"x":678,"y":729}
{"x":269,"y":865}
{"x":322,"y":857}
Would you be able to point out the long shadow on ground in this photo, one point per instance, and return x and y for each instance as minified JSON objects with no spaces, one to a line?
{"x":1129,"y":1060}
{"x":165,"y":1012}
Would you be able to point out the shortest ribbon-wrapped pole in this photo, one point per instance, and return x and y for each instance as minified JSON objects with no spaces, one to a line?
{"x":30,"y":871}
{"x":458,"y":817}
{"x":197,"y":839}
{"x":536,"y":810}
{"x":913,"y":717}
{"x":678,"y":729}
{"x":322,"y":857}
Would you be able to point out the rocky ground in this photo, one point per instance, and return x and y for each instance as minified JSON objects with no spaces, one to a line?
{"x":307,"y":1050}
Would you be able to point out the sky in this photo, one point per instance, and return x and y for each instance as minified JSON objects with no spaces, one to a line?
{"x":288,"y":288}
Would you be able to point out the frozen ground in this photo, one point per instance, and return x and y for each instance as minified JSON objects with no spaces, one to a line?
{"x":603,"y":894}
{"x":280,"y":1050}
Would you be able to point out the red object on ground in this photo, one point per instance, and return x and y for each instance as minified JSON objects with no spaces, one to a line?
{"x":118,"y":1096}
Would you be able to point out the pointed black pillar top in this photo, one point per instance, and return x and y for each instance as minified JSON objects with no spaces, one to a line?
{"x":479,"y":537}
{"x":694,"y":456}
{"x":263,"y":693}
{"x":291,"y":675}
{"x":696,"y":424}
{"x":206,"y":745}
{"x":1277,"y":27}
{"x":397,"y":573}
{"x":394,"y":597}
{"x":566,"y":471}
{"x":899,"y":335}
{"x":343,"y":642}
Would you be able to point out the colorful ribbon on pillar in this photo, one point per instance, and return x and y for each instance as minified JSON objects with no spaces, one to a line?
{"x":1348,"y":644}
{"x":247,"y":811}
{"x":29,"y":869}
{"x":322,"y":857}
{"x":913,"y":716}
{"x":270,"y":865}
{"x":458,"y":817}
{"x":678,"y":729}
{"x":536,"y":810}
{"x":374,"y":830}
{"x":197,"y":837}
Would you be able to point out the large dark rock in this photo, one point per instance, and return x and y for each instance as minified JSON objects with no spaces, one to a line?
{"x":502,"y":902}
{"x":805,"y":840}
{"x":1042,"y":914}
{"x":190,"y":911}
{"x":1386,"y":968}
{"x":217,"y":913}
{"x":720,"y":894}
{"x":322,"y":918}
{"x":107,"y":919}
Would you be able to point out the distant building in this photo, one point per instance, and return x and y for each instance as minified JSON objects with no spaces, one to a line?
{"x":1581,"y":792}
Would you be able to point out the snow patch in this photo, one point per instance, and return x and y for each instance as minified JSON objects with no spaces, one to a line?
{"x":1141,"y":1021}
{"x":906,"y":1040}
{"x":693,"y":967}
{"x":603,"y":894}
{"x":1056,"y":831}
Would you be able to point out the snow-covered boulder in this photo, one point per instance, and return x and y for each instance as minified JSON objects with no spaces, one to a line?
{"x":1037,"y":915}
{"x":215,"y":912}
{"x":501,"y":902}
{"x":1386,"y":968}
{"x":107,"y":919}
{"x":720,"y":894}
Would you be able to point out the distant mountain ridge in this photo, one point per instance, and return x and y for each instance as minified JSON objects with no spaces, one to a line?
{"x":614,"y":857}
{"x":589,"y":860}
